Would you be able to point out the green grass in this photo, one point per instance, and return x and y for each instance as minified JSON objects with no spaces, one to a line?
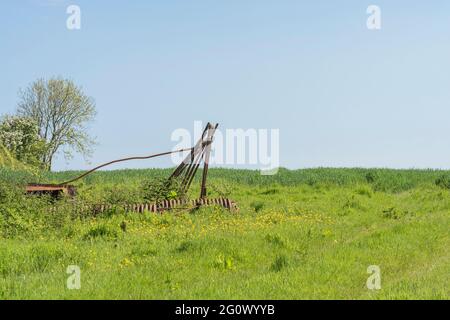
{"x":304,"y":234}
{"x":8,"y":160}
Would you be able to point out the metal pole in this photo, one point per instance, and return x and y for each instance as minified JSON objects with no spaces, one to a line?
{"x":211,"y":131}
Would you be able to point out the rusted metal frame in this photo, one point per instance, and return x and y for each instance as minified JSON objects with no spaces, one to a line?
{"x":205,"y":144}
{"x":51,"y":189}
{"x":194,"y":171}
{"x":185,"y":171}
{"x":211,"y":132}
{"x":160,"y":207}
{"x":175,"y":173}
{"x":187,"y":168}
{"x":149,"y":207}
{"x":187,"y":160}
{"x":195,"y":158}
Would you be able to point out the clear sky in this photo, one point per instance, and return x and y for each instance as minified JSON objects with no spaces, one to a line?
{"x":341,"y":95}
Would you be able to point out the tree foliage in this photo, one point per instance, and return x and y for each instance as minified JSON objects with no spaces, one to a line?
{"x":20,"y":137}
{"x":62,"y":112}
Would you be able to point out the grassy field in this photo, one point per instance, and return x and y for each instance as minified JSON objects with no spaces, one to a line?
{"x":304,"y":234}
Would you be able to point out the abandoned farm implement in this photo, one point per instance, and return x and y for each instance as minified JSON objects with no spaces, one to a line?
{"x":184,"y":173}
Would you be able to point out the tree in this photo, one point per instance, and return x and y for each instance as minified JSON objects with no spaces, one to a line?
{"x":61,"y":111}
{"x":20,"y":136}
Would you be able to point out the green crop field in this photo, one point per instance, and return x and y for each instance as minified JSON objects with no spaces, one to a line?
{"x":302,"y":234}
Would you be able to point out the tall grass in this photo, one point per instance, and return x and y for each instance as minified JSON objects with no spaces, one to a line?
{"x":389,"y":180}
{"x":299,"y":234}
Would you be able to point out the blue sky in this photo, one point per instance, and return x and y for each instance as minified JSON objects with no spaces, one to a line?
{"x":341,"y":95}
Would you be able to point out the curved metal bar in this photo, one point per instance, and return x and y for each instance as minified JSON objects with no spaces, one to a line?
{"x":122,"y":160}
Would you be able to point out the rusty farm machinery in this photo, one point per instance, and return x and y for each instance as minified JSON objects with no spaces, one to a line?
{"x":184,"y":173}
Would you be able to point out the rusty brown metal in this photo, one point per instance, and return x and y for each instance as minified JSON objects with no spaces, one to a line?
{"x":65,"y":187}
{"x":55,"y":190}
{"x":122,"y":160}
{"x":189,"y":158}
{"x":185,"y":171}
{"x":211,"y":131}
{"x":189,"y":166}
{"x":165,"y":205}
